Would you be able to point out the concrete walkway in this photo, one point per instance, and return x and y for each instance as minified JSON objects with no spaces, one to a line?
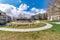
{"x":56,"y":22}
{"x":27,"y":30}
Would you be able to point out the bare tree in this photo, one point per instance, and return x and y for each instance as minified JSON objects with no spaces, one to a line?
{"x":50,"y":2}
{"x":53,"y":7}
{"x":54,"y":4}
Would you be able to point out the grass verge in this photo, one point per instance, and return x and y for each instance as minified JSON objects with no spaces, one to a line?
{"x":27,"y":26}
{"x":50,"y":34}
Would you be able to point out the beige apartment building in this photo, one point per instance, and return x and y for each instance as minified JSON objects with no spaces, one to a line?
{"x":53,"y":14}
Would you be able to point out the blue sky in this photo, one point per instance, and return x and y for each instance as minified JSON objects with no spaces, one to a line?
{"x":40,"y":4}
{"x":28,"y":7}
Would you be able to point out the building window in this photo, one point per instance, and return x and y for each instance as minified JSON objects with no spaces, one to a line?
{"x":0,"y":13}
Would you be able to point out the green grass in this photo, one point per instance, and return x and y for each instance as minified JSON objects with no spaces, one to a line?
{"x":49,"y":34}
{"x":55,"y":28}
{"x":39,"y":35}
{"x":27,"y":26}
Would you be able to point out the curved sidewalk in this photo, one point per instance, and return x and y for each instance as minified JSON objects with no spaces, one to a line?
{"x":27,"y":30}
{"x":56,"y":22}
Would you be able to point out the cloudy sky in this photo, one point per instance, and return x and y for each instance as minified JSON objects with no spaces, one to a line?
{"x":29,"y":7}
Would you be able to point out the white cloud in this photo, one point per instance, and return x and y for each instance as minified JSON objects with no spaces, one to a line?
{"x":19,"y":12}
{"x":25,"y":14}
{"x":38,"y":10}
{"x":23,"y":7}
{"x":7,"y":8}
{"x":35,"y":10}
{"x":15,"y":12}
{"x":4,"y":7}
{"x":42,"y":11}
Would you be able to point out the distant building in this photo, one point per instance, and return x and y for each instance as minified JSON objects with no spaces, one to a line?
{"x":4,"y":18}
{"x":34,"y":17}
{"x":43,"y":16}
{"x":39,"y":16}
{"x":53,"y":14}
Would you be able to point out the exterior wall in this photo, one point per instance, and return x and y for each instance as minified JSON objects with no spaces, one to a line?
{"x":53,"y":14}
{"x":4,"y":18}
{"x":55,"y":17}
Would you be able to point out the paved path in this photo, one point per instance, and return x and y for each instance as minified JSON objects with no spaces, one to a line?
{"x":56,"y":22}
{"x":27,"y":30}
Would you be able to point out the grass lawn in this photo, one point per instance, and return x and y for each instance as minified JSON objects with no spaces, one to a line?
{"x":27,"y":26}
{"x":49,"y":34}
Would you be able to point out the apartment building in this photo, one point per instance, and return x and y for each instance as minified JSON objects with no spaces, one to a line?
{"x":53,"y":14}
{"x":4,"y":18}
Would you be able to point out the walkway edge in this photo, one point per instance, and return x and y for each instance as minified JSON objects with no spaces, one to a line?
{"x":27,"y":30}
